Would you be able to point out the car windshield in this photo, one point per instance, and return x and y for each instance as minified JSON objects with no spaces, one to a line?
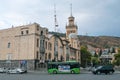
{"x":99,"y":67}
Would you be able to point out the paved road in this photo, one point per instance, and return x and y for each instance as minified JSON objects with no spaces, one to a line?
{"x":46,"y":76}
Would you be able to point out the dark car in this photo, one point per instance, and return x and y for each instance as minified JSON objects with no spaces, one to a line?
{"x":104,"y":69}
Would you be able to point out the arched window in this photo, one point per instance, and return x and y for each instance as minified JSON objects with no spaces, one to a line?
{"x":49,"y":56}
{"x":45,"y":56}
{"x":49,"y":46}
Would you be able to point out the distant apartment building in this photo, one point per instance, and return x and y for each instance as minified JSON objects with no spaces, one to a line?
{"x":107,"y":55}
{"x":30,"y":46}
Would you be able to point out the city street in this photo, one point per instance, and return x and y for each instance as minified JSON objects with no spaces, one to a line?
{"x":46,"y":76}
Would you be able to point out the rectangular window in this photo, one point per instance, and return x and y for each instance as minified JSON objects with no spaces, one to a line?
{"x":22,"y":33}
{"x":9,"y":45}
{"x":27,"y":31}
{"x":43,"y":43}
{"x":37,"y":42}
{"x":37,"y":27}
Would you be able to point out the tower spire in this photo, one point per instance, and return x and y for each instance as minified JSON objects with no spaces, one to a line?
{"x":56,"y":24}
{"x":71,"y":27}
{"x":71,"y":9}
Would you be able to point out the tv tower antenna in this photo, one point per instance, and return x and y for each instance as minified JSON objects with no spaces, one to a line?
{"x":56,"y":23}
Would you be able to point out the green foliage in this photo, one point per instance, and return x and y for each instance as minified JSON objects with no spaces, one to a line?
{"x":95,"y":61}
{"x":119,"y":50}
{"x":117,"y":58}
{"x":85,"y":56}
{"x":95,"y":55}
{"x":100,"y":53}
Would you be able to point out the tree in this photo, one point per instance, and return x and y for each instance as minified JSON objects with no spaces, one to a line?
{"x":113,"y":50}
{"x":95,"y":61}
{"x":95,"y":55}
{"x":85,"y":56}
{"x":100,"y":53}
{"x":117,"y":58}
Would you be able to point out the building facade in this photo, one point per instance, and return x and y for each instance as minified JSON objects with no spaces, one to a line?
{"x":31,"y":46}
{"x":19,"y":46}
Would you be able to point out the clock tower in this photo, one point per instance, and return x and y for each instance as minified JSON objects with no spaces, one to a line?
{"x":71,"y":27}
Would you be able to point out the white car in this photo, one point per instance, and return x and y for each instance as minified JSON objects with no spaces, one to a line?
{"x":16,"y":70}
{"x":2,"y":70}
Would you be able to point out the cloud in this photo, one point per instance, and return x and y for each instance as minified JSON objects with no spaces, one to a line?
{"x":92,"y":16}
{"x":2,"y":23}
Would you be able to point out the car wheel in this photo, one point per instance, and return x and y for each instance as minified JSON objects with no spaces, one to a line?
{"x":7,"y":72}
{"x":111,"y":72}
{"x":72,"y":72}
{"x":18,"y":72}
{"x":54,"y":72}
{"x":106,"y":73}
{"x":98,"y":72}
{"x":94,"y":73}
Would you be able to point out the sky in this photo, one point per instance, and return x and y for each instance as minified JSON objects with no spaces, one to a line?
{"x":93,"y":17}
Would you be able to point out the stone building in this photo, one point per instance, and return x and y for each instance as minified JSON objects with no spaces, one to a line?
{"x":31,"y":46}
{"x":19,"y":46}
{"x":58,"y":48}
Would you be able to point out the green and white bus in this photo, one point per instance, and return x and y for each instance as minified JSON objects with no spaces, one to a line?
{"x":63,"y":67}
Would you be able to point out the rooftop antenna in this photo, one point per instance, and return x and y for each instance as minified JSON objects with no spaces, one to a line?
{"x":56,"y":23}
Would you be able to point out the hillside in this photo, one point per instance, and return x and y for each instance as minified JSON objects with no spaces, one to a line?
{"x":96,"y":41}
{"x":100,"y":41}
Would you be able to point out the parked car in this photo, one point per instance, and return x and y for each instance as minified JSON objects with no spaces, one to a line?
{"x":91,"y":68}
{"x":103,"y":69}
{"x":24,"y":70}
{"x":2,"y":70}
{"x":16,"y":70}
